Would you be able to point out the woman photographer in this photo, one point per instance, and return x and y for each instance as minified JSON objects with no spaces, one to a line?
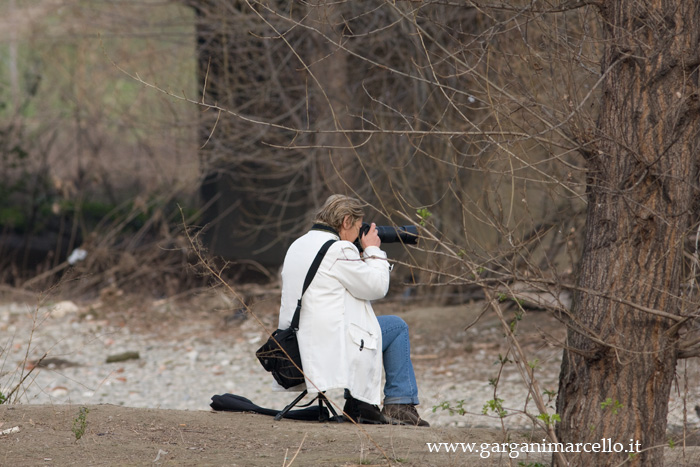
{"x":341,"y":341}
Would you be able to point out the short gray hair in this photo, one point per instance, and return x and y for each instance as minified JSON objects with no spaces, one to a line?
{"x":337,"y":207}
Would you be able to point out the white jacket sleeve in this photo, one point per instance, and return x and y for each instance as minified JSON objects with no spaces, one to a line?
{"x":366,"y":278}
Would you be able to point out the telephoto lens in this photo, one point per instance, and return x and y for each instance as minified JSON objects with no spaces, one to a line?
{"x":407,"y":234}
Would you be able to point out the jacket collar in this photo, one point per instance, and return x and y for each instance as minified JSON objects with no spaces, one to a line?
{"x":325,"y":228}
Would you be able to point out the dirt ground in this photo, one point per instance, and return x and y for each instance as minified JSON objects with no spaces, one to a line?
{"x":127,"y":436}
{"x":33,"y":435}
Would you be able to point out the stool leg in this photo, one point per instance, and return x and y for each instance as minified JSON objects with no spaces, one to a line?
{"x":281,"y":414}
{"x":321,"y":400}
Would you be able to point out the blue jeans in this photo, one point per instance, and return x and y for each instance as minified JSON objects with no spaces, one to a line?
{"x":400,"y":386}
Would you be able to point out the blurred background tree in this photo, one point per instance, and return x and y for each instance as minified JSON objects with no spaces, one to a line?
{"x":411,"y":109}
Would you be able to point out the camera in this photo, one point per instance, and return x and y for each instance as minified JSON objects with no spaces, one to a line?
{"x":407,"y":234}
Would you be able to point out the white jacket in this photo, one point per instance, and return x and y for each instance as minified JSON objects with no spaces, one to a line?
{"x":339,"y":337}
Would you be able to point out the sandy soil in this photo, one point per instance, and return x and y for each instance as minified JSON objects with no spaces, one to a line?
{"x":128,"y":436}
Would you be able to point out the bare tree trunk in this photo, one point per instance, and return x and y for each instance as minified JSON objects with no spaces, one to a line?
{"x":618,"y":369}
{"x":337,"y":166}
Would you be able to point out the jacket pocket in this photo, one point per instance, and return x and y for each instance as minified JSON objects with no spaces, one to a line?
{"x":362,"y":338}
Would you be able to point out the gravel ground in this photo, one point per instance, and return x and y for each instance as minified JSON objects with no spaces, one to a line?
{"x":185,"y":358}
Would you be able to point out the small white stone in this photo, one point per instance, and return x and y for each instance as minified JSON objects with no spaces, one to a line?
{"x":61,"y":309}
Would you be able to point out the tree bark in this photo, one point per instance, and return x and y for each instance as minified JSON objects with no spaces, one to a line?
{"x":337,"y":165}
{"x":618,"y":368}
{"x":257,"y":192}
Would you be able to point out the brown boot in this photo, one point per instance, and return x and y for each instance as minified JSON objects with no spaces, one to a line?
{"x":403,"y":414}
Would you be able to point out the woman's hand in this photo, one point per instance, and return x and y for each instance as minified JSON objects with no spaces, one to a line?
{"x":371,"y":238}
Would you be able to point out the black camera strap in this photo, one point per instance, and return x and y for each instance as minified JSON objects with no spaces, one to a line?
{"x":309,"y":277}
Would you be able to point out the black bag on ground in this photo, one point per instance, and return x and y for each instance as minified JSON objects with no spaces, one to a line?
{"x":271,"y":355}
{"x":235,"y":403}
